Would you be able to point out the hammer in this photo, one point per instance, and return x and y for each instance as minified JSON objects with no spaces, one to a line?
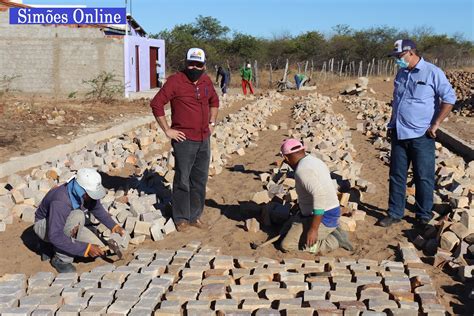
{"x":114,"y":247}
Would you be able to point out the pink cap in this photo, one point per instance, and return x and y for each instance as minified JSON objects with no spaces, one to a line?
{"x":290,"y":146}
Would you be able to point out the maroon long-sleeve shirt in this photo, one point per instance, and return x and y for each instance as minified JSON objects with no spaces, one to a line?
{"x":190,"y":104}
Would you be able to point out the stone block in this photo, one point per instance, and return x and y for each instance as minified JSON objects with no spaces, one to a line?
{"x":278,"y":294}
{"x":169,"y":227}
{"x":261,"y":197}
{"x":252,"y":225}
{"x":342,"y":295}
{"x":347,"y":223}
{"x":142,"y":228}
{"x":448,"y":241}
{"x":156,"y":232}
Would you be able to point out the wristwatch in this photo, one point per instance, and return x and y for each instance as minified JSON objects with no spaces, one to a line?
{"x":212,"y":124}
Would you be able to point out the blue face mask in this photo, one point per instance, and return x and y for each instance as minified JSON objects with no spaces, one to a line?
{"x":402,"y":63}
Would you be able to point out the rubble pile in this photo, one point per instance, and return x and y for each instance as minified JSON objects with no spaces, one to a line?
{"x":199,"y":280}
{"x":359,"y":88}
{"x":463,"y":84}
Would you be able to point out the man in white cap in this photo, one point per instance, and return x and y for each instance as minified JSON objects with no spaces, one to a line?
{"x":246,"y":75}
{"x":194,"y":107}
{"x":315,"y":228}
{"x":422,"y":99}
{"x":60,"y":219}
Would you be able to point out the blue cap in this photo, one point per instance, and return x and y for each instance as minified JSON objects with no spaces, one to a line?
{"x":401,"y":46}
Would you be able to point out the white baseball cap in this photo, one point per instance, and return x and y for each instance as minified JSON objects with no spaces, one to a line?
{"x":91,"y":181}
{"x":196,"y":54}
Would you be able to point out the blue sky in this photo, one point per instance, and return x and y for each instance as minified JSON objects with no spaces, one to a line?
{"x":273,"y":17}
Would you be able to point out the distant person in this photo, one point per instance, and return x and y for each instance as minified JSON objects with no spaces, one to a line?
{"x":315,"y":228}
{"x":246,"y":75}
{"x":301,"y":80}
{"x":194,"y":107}
{"x":60,"y":220}
{"x":422,"y":99}
{"x":225,"y":79}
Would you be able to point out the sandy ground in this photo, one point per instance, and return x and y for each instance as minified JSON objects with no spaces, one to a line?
{"x":224,"y":215}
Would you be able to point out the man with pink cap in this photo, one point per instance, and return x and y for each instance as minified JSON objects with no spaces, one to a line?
{"x":315,"y":227}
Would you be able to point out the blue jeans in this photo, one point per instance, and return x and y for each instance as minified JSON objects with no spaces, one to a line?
{"x":421,"y":153}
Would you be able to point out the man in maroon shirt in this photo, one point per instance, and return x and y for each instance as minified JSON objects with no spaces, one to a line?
{"x":194,"y":106}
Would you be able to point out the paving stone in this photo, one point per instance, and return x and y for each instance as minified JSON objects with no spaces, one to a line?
{"x":380,"y":305}
{"x":16,"y":311}
{"x":278,"y":294}
{"x":267,"y":312}
{"x":342,"y":295}
{"x":322,"y":305}
{"x":225,"y":304}
{"x":43,"y":312}
{"x":120,"y":307}
{"x":299,"y":312}
{"x":373,"y":293}
{"x":254,"y":304}
{"x":289,"y":303}
{"x":402,"y":312}
{"x":314,"y":295}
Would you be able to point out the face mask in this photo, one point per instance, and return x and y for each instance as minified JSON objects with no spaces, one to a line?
{"x":402,"y":63}
{"x":193,"y":74}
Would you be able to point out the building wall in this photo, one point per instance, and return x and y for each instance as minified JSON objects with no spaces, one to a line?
{"x":144,"y":61}
{"x":56,"y":59}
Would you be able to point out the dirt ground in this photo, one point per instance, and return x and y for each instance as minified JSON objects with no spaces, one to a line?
{"x":225,"y":215}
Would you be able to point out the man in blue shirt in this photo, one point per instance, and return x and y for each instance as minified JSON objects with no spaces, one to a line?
{"x":422,"y":99}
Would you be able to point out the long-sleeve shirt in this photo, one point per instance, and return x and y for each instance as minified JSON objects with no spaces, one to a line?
{"x":224,"y":74}
{"x":316,"y":191}
{"x":416,"y":99}
{"x":55,"y":208}
{"x":190,"y":104}
{"x":246,"y":73}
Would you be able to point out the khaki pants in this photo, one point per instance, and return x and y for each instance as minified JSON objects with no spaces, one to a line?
{"x":295,"y":239}
{"x":75,"y":218}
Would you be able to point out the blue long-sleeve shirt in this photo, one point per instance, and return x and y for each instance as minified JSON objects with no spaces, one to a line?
{"x":416,"y":99}
{"x":55,"y":208}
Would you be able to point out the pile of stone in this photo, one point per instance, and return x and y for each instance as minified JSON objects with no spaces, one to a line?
{"x":138,"y":202}
{"x":240,"y":130}
{"x":452,"y":236}
{"x":359,"y":88}
{"x":199,"y":280}
{"x":376,"y":115}
{"x":463,"y":84}
{"x":327,"y":137}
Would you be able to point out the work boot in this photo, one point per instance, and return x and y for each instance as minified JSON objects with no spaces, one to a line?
{"x":61,"y":266}
{"x":387,"y":221}
{"x":342,"y":239}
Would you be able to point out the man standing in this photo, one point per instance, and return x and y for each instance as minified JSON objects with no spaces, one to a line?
{"x":194,"y":107}
{"x":315,"y":227}
{"x":60,"y":219}
{"x":225,"y":78}
{"x":246,"y":75}
{"x":422,"y":99}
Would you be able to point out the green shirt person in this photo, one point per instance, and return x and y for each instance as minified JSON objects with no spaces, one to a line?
{"x":246,"y":75}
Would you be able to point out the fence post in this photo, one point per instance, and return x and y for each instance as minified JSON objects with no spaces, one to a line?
{"x":271,"y":74}
{"x":285,"y":74}
{"x":256,"y":73}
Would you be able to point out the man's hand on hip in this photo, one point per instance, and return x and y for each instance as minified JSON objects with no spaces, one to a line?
{"x":432,"y":130}
{"x":312,"y":237}
{"x":175,"y":135}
